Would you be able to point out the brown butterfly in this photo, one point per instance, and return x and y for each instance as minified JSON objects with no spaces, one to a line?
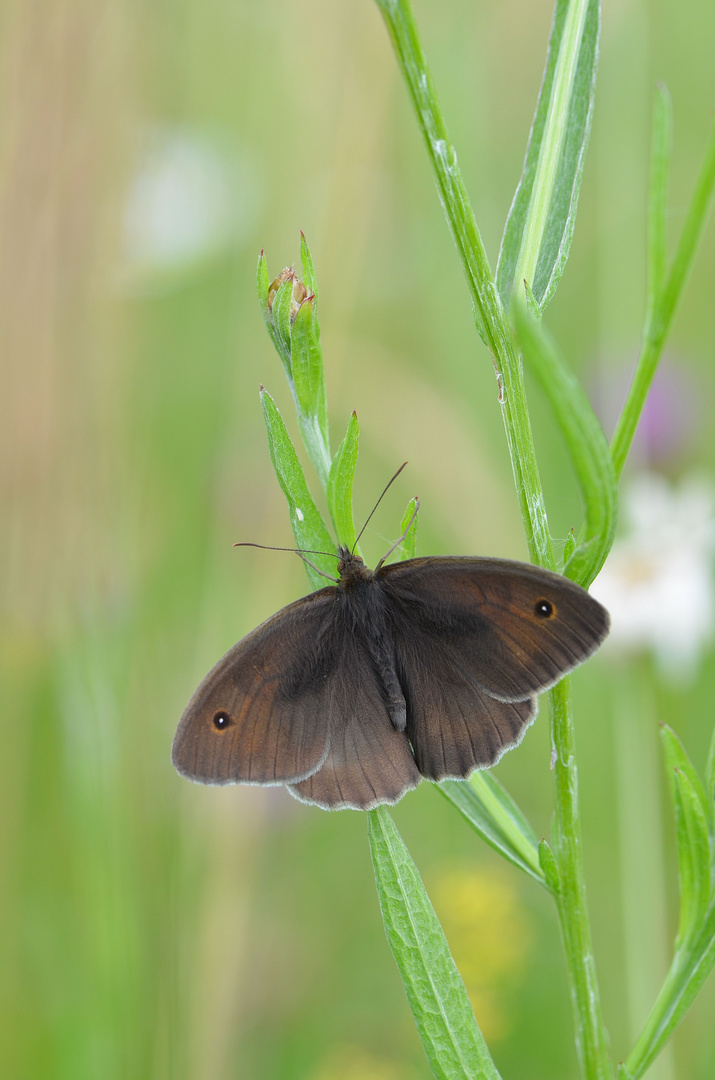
{"x":351,"y":695}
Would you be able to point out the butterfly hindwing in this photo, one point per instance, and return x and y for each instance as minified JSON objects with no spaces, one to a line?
{"x":260,"y":715}
{"x":517,"y":629}
{"x":368,"y":761}
{"x":453,"y":724}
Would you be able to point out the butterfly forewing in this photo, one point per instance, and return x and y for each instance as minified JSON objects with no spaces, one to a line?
{"x":516,"y":629}
{"x":260,"y":715}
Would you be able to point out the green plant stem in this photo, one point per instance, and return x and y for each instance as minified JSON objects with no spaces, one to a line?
{"x":494,"y":328}
{"x":661,"y":315}
{"x":491,"y":318}
{"x":591,"y":1042}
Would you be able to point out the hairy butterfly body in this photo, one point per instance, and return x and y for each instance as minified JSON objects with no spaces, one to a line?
{"x":424,"y":668}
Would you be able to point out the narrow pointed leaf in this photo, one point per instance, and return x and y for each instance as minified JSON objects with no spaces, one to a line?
{"x":309,"y":387}
{"x":280,"y":319}
{"x":408,"y":526}
{"x":588,"y":448}
{"x":262,"y":283}
{"x":658,"y":199}
{"x":677,"y":758}
{"x":549,"y":868}
{"x":309,"y":279}
{"x":692,"y":836}
{"x":452,"y":1041}
{"x":658,"y":324}
{"x":539,"y":228}
{"x":491,"y":811}
{"x":340,"y":484}
{"x":308,"y":527}
{"x":691,"y":967}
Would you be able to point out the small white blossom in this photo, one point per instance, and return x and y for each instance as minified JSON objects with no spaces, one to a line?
{"x":658,"y":581}
{"x":190,"y":198}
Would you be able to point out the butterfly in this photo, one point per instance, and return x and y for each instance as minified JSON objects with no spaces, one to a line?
{"x":424,"y":668}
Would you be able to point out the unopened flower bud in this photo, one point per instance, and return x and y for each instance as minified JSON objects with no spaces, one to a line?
{"x":299,"y":291}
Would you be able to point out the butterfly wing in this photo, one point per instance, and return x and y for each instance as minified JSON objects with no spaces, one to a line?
{"x":368,"y":761}
{"x":259,"y":716}
{"x":515,"y":629}
{"x":453,"y":724}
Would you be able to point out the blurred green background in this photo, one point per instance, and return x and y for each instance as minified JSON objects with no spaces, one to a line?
{"x":153,"y":928}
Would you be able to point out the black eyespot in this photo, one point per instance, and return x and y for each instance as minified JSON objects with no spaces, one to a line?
{"x":222,"y":720}
{"x":544,"y":609}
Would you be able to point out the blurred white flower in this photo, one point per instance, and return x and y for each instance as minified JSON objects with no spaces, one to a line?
{"x":190,"y":198}
{"x":658,"y":581}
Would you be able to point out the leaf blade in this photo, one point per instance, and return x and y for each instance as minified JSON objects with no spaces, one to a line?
{"x":539,"y":228}
{"x":437,"y":996}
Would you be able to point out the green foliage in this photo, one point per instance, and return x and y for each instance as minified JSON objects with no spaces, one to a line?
{"x":535,"y":248}
{"x":340,"y":484}
{"x":451,"y":1038}
{"x":539,"y":228}
{"x":491,"y":811}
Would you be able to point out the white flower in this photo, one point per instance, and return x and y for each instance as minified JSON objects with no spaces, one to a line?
{"x":189,"y":198}
{"x":658,"y":581}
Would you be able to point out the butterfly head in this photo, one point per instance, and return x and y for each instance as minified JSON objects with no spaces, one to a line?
{"x":351,"y":568}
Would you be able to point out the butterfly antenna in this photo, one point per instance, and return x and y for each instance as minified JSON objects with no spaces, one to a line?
{"x":300,"y":552}
{"x":398,"y":542}
{"x":296,"y":551}
{"x":390,"y":483}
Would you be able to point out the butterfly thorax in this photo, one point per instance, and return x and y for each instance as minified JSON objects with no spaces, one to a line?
{"x":352,"y":569}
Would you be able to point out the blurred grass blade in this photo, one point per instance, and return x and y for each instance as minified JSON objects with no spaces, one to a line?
{"x":710,"y":779}
{"x":658,"y":199}
{"x":309,"y":387}
{"x":539,"y":228}
{"x":658,"y":325}
{"x":408,"y":547}
{"x":689,"y":970}
{"x":452,"y":1040}
{"x":491,"y":811}
{"x":692,"y":817}
{"x":588,"y":449}
{"x":308,"y":526}
{"x":340,"y":485}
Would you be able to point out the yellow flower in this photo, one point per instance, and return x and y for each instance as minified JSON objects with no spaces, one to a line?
{"x":489,"y":937}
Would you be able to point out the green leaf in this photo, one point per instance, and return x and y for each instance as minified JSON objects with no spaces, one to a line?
{"x":308,"y":526}
{"x":491,"y":811}
{"x":437,"y":996}
{"x":660,"y":315}
{"x":408,"y":529}
{"x":539,"y":228}
{"x":710,"y":781}
{"x":262,"y":284}
{"x":280,"y":317}
{"x":569,"y":546}
{"x":549,"y":867}
{"x":309,"y":387}
{"x":658,"y":199}
{"x":677,"y":758}
{"x":690,"y":968}
{"x":309,"y":279}
{"x":340,"y":485}
{"x":692,"y":816}
{"x":588,"y":449}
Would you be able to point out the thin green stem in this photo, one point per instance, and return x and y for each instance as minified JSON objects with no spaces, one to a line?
{"x":492,"y":321}
{"x":494,"y":328}
{"x":591,"y":1042}
{"x":661,"y":315}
